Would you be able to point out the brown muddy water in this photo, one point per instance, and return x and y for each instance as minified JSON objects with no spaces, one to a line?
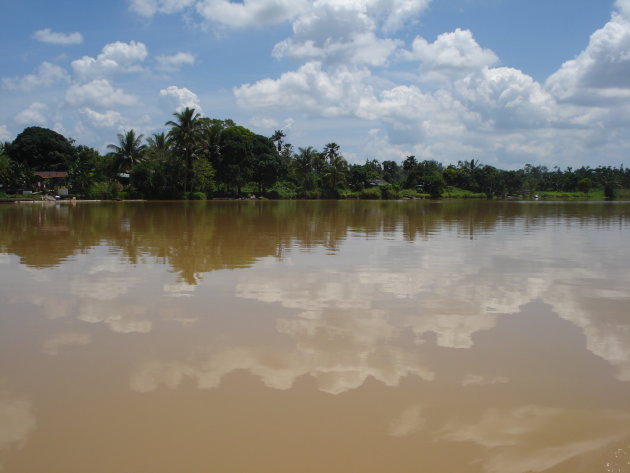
{"x":324,"y":337}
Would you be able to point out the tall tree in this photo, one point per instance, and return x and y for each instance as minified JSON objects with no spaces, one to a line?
{"x":185,"y":134}
{"x":41,"y":149}
{"x":277,"y":138}
{"x":336,"y":168}
{"x":305,"y":167}
{"x":128,"y":151}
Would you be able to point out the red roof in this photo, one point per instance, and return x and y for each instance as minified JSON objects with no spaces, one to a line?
{"x":51,"y":174}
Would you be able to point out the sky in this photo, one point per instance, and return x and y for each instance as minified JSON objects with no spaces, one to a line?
{"x":506,"y":82}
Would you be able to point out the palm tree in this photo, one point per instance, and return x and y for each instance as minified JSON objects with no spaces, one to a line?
{"x":336,"y":168}
{"x":185,"y":134}
{"x":159,"y":141}
{"x":305,"y":160}
{"x":277,"y":138}
{"x":128,"y":151}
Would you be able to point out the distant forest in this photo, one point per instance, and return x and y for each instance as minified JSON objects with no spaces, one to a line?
{"x":200,"y":158}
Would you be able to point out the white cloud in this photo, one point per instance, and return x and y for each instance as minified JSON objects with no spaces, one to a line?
{"x":264,"y":122}
{"x":450,"y":56}
{"x":391,"y":15}
{"x":400,"y":11}
{"x":363,"y":48}
{"x":250,"y":13}
{"x":624,"y":7}
{"x":99,"y":93}
{"x":5,"y":135}
{"x":47,"y":74}
{"x":309,"y":89}
{"x":151,"y":7}
{"x":49,"y":36}
{"x":114,"y":58}
{"x":109,"y":119}
{"x":599,"y":74}
{"x":337,"y":33}
{"x":179,"y":98}
{"x":174,"y":62}
{"x":507,"y":98}
{"x":33,"y":115}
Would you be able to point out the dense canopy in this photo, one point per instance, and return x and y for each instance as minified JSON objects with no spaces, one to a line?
{"x":199,"y":158}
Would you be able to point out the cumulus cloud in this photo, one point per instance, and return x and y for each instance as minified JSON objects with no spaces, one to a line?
{"x":98,"y":93}
{"x":451,"y":55}
{"x":310,"y":89}
{"x":46,"y":75}
{"x":347,"y":32}
{"x":250,"y":13}
{"x":174,"y":62}
{"x":391,"y":15}
{"x":35,"y":114}
{"x":179,"y":98}
{"x":507,"y":98}
{"x":49,"y":36}
{"x":5,"y":135}
{"x":599,"y":74}
{"x":149,"y":8}
{"x":117,"y":57}
{"x":109,"y":119}
{"x":336,"y":33}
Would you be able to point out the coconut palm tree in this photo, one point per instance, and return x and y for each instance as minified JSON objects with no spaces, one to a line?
{"x":128,"y":151}
{"x":336,"y":167}
{"x":277,"y":138}
{"x":185,"y":134}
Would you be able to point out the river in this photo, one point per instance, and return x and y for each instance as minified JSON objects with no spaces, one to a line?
{"x":273,"y":337}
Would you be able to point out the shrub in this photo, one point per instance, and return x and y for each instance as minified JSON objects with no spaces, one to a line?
{"x":371,"y":193}
{"x":348,"y":194}
{"x":390,"y":192}
{"x":282,"y":190}
{"x":103,"y":190}
{"x":197,"y":196}
{"x":310,"y":194}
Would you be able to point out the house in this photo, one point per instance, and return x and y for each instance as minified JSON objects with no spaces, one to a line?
{"x":51,"y":181}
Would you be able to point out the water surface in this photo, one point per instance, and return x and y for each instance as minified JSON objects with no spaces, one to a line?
{"x":253,"y":337}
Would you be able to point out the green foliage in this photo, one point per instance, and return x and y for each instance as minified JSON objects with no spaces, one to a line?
{"x":203,"y":175}
{"x":127,"y":152}
{"x":186,"y":134}
{"x":282,"y":190}
{"x":309,"y":194}
{"x":584,"y":185}
{"x":102,"y":190}
{"x":41,"y":149}
{"x":370,"y":193}
{"x":390,"y":192}
{"x":197,"y":196}
{"x":610,"y":190}
{"x":434,"y":184}
{"x":220,"y":157}
{"x":451,"y":192}
{"x":6,"y":166}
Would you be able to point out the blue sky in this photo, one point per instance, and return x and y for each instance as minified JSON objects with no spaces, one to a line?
{"x":507,"y":82}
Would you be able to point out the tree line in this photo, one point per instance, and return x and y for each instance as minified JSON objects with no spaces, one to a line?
{"x":200,"y":157}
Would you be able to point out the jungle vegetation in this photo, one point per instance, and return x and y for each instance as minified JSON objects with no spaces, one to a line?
{"x":199,"y":158}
